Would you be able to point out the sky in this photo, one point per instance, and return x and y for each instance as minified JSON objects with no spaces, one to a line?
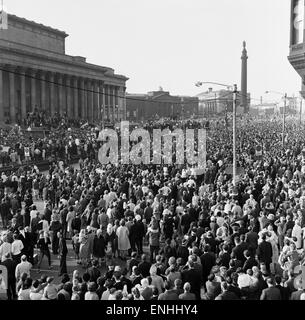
{"x":175,"y":43}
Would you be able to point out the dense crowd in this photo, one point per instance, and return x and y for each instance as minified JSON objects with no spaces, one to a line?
{"x":161,"y":231}
{"x":21,"y":147}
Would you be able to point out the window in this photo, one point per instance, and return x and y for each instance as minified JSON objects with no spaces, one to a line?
{"x":298,"y":22}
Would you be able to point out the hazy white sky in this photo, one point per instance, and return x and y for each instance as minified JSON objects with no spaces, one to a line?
{"x":174,"y":43}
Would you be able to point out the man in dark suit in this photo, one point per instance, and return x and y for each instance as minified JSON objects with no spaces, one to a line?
{"x":226,"y":293}
{"x":252,"y":239}
{"x":144,"y":266}
{"x":193,"y":277}
{"x":168,"y":294}
{"x":213,"y":288}
{"x":63,"y":250}
{"x":264,"y":252}
{"x":238,"y":250}
{"x":271,"y":293}
{"x":94,"y":272}
{"x":224,"y":257}
{"x":207,"y":259}
{"x":11,"y":279}
{"x":29,"y":244}
{"x":132,"y":262}
{"x":250,"y":261}
{"x":284,"y":291}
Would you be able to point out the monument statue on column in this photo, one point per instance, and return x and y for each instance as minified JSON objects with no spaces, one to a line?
{"x":244,"y":79}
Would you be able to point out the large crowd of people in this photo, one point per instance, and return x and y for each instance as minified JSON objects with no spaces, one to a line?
{"x":160,"y":232}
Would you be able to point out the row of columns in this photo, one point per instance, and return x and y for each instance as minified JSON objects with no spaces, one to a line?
{"x":79,"y":98}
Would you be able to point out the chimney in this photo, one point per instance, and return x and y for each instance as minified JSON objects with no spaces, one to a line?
{"x":210,"y":89}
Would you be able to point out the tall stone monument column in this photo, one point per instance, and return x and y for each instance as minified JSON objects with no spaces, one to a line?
{"x":244,"y":79}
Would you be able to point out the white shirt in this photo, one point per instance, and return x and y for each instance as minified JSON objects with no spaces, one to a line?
{"x":228,"y":207}
{"x":297,"y":232}
{"x":23,"y":267}
{"x":17,"y":246}
{"x":33,"y":214}
{"x":244,"y":280}
{"x":36,"y":295}
{"x":45,"y":225}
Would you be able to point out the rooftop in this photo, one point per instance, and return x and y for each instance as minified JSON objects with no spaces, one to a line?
{"x":35,"y":24}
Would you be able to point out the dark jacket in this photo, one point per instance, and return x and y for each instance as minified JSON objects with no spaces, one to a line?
{"x":11,"y":267}
{"x":63,"y":250}
{"x":207,"y":261}
{"x":227,"y":295}
{"x":264,"y":252}
{"x":252,"y":239}
{"x":194,"y":278}
{"x":94,"y":273}
{"x":271,"y":293}
{"x":249,"y":263}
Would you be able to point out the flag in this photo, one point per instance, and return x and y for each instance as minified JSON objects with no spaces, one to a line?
{"x":3,"y":20}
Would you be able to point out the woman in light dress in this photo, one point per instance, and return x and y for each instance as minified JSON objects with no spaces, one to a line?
{"x":123,"y":240}
{"x":84,"y":248}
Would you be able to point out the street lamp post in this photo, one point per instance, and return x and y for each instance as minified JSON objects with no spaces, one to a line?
{"x":234,"y":132}
{"x":301,"y":111}
{"x":284,"y":114}
{"x":199,"y":84}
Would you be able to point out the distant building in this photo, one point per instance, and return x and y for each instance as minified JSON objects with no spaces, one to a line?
{"x":159,"y":104}
{"x":292,"y":107}
{"x":265,"y":109}
{"x":212,"y":103}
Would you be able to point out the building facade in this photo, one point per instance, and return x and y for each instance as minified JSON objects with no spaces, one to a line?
{"x":213,"y":103}
{"x":160,"y":104}
{"x":297,"y":45}
{"x":37,"y":74}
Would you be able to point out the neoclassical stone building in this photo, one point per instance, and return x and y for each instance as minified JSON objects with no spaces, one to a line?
{"x":35,"y":72}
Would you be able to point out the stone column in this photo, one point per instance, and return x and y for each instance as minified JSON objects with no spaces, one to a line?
{"x":60,"y":95}
{"x":12,"y":96}
{"x":22,"y":95}
{"x":75,"y":98}
{"x":43,"y":91}
{"x":90,"y":101}
{"x":69,"y":97}
{"x":100,"y":101}
{"x":33,"y":89}
{"x":1,"y":96}
{"x":114,"y":104}
{"x":105,"y":102}
{"x":108,"y":97}
{"x":95,"y":101}
{"x":52,"y":94}
{"x":83,"y":98}
{"x":103,"y":115}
